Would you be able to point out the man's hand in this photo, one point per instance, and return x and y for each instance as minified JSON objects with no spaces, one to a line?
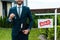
{"x":26,"y":31}
{"x":11,"y":16}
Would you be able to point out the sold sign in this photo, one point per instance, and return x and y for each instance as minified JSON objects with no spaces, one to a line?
{"x":45,"y":23}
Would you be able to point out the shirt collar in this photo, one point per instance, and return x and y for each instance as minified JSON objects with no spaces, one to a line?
{"x":19,"y":6}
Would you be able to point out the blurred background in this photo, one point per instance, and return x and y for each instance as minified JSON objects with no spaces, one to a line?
{"x":37,"y":7}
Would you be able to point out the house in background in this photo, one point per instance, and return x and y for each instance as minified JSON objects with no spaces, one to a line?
{"x":47,"y":10}
{"x":5,"y":5}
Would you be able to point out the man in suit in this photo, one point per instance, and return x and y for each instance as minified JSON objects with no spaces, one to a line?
{"x":18,"y":15}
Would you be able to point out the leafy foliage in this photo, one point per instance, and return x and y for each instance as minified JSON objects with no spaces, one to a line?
{"x":4,"y":24}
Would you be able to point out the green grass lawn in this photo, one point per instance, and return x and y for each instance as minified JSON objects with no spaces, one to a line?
{"x":5,"y":34}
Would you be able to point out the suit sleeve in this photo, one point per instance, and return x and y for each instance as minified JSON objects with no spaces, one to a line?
{"x":30,"y":19}
{"x":8,"y":20}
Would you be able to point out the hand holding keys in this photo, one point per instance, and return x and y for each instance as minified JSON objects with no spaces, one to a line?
{"x":12,"y":15}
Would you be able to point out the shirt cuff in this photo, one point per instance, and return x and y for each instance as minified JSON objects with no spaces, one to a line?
{"x":9,"y":20}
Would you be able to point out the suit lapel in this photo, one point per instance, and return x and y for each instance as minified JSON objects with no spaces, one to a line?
{"x":16,"y":11}
{"x":21,"y":12}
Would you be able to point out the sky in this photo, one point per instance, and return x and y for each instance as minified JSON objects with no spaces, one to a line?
{"x":43,"y":4}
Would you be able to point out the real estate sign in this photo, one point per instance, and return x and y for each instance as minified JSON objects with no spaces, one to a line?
{"x":45,"y":23}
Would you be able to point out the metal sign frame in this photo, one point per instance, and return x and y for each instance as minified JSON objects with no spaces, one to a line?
{"x":55,"y":14}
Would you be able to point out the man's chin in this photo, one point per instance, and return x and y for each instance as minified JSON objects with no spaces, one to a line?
{"x":19,"y":3}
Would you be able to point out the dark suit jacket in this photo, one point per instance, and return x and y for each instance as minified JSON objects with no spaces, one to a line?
{"x":26,"y":14}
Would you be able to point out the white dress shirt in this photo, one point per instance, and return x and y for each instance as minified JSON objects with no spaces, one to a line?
{"x":20,"y":9}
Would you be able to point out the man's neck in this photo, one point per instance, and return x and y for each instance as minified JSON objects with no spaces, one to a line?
{"x":19,"y":5}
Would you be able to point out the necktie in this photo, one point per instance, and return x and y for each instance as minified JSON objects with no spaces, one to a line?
{"x":19,"y":11}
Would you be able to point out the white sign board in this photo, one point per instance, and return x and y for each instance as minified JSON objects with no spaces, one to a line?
{"x":45,"y":23}
{"x":43,"y":4}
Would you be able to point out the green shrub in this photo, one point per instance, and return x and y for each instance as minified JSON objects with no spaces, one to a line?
{"x":4,"y":24}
